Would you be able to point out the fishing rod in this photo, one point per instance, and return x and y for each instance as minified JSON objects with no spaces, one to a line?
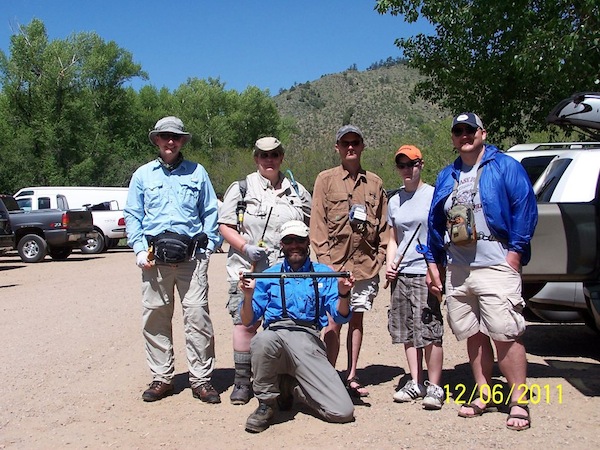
{"x":399,"y":260}
{"x":254,"y":275}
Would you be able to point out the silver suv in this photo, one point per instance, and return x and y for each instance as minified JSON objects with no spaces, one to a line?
{"x":566,"y":244}
{"x":552,"y":301}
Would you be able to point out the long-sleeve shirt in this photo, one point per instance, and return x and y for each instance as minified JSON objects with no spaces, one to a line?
{"x":182,"y":201}
{"x":332,"y":236}
{"x":299,"y":297}
{"x":267,"y":209}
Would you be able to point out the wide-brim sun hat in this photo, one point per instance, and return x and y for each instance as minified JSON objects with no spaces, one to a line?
{"x":169,"y":124}
{"x":268,"y":144}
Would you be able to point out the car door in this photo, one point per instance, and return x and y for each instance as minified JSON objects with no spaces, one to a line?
{"x":565,"y":243}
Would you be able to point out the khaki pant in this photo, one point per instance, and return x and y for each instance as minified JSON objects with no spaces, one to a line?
{"x":287,"y":348}
{"x":486,"y":299}
{"x":158,"y":301}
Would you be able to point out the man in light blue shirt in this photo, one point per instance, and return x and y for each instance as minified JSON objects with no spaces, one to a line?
{"x":171,"y":222}
{"x":289,"y":351}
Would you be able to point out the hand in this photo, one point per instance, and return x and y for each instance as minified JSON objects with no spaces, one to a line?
{"x":254,"y":252}
{"x":434,"y":280}
{"x":513,"y":259}
{"x":141,"y":259}
{"x":246,"y":284}
{"x":391,"y":273}
{"x":345,"y":285}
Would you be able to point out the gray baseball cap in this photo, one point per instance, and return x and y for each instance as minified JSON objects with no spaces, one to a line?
{"x":348,"y":129}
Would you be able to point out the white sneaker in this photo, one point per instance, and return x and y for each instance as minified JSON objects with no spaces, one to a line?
{"x":435,"y":396}
{"x":411,"y":391}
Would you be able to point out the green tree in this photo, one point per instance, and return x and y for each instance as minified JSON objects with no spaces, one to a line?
{"x":510,"y":60}
{"x":67,"y":108}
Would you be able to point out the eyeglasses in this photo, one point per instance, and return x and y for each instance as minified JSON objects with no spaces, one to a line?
{"x":291,"y":239}
{"x":409,"y":165}
{"x":170,"y":136}
{"x":459,"y":131}
{"x":347,"y":144}
{"x":274,"y":154}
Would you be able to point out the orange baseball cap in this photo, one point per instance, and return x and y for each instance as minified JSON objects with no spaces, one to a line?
{"x":409,"y":151}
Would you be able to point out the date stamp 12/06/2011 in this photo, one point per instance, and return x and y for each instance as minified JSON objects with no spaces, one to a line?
{"x":496,"y":394}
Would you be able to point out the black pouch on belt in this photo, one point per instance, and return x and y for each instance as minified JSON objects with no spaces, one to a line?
{"x":173,"y":248}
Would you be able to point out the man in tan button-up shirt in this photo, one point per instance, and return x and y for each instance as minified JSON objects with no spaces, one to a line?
{"x":348,"y":231}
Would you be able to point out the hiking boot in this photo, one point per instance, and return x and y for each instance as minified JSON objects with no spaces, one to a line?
{"x":156,"y":391}
{"x":241,"y":394}
{"x":261,"y":418}
{"x":207,"y":393}
{"x":285,"y":401}
{"x":411,"y":391}
{"x":434,"y":399}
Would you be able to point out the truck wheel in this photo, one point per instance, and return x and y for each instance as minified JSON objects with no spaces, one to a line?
{"x":59,"y":253}
{"x":94,"y":245}
{"x":32,"y":248}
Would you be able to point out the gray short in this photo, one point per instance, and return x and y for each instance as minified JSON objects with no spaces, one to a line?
{"x":415,"y":315}
{"x":233,"y":304}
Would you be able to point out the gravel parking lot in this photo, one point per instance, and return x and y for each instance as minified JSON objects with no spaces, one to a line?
{"x":73,"y":372}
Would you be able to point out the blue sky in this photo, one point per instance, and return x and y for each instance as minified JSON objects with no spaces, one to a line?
{"x":270,"y":44}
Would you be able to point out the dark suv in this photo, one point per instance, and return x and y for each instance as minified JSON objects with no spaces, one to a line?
{"x":7,"y":237}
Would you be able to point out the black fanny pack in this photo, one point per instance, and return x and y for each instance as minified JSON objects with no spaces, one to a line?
{"x":174,"y":248}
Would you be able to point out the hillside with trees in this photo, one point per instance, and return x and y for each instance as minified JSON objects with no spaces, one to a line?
{"x":377,"y":101}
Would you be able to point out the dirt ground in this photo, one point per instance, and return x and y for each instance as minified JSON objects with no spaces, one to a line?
{"x":73,"y":371}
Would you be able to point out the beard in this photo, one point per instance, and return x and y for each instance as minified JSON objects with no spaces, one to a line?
{"x":296,"y":256}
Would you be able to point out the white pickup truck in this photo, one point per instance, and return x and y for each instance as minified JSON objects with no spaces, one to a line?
{"x":110,"y":224}
{"x":106,"y":205}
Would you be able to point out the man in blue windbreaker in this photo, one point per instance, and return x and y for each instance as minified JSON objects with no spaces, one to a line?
{"x":482,"y":218}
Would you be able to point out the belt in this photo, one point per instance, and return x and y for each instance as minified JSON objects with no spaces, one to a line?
{"x":411,"y":275}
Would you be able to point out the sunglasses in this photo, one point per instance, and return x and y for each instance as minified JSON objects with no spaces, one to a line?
{"x":170,"y":136}
{"x":291,"y":239}
{"x":265,"y":155}
{"x":459,"y":131}
{"x":409,"y":165}
{"x":347,"y":144}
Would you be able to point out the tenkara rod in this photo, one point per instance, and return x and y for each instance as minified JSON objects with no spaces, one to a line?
{"x":399,"y":260}
{"x":251,"y":275}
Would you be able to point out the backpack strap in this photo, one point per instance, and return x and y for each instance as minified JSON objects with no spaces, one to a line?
{"x":284,"y":312}
{"x":243,"y":185}
{"x":241,"y":204}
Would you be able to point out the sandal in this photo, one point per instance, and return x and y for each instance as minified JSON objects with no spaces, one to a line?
{"x":477,"y":411}
{"x":355,"y":389}
{"x":526,"y":417}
